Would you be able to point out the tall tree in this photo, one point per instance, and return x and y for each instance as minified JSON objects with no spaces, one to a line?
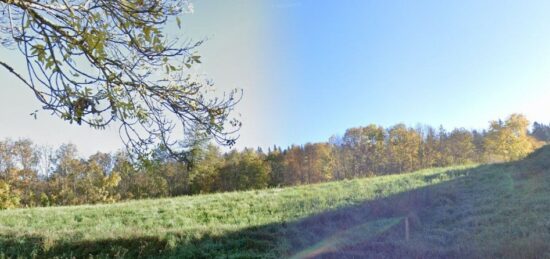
{"x":8,"y":199}
{"x":509,"y":140}
{"x":318,"y":161}
{"x":339,"y":170}
{"x":275,"y":159}
{"x":460,"y":147}
{"x":403,"y":148}
{"x":429,"y":155}
{"x":295,"y":173}
{"x":365,"y":149}
{"x":205,"y":173}
{"x":541,"y":131}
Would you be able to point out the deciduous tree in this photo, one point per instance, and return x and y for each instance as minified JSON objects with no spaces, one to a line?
{"x":113,"y":62}
{"x":509,"y":140}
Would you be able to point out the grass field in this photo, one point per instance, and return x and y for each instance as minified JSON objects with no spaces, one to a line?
{"x":500,"y":210}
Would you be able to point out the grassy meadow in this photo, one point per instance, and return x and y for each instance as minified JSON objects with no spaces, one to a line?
{"x":499,"y":210}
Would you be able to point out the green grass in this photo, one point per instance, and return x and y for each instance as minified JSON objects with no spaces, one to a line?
{"x":476,"y":211}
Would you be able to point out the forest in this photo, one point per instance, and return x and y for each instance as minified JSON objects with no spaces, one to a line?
{"x":33,"y":175}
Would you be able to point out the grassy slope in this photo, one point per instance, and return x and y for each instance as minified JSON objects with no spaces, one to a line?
{"x":486,"y":211}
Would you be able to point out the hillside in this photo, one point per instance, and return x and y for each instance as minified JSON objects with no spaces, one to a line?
{"x":498,"y":210}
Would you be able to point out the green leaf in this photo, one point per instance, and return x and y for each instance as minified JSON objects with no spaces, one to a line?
{"x":178,"y":21}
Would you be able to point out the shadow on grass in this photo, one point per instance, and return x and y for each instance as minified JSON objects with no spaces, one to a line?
{"x":372,"y":229}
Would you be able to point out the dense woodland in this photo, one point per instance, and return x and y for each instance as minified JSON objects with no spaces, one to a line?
{"x":32,"y":175}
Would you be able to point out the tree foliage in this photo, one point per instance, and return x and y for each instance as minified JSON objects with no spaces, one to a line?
{"x":541,"y":131}
{"x":34,"y":176}
{"x":509,"y":140}
{"x":111,"y":62}
{"x":7,"y":198}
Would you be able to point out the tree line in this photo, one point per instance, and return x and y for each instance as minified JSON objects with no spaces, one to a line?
{"x":32,"y":175}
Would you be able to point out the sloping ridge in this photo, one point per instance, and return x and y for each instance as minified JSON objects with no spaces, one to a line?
{"x":495,"y":211}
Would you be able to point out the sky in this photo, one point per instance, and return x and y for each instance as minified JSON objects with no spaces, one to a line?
{"x":311,"y":69}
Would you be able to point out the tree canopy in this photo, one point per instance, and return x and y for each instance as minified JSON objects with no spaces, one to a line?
{"x":509,"y":140}
{"x":32,"y":175}
{"x":110,"y":62}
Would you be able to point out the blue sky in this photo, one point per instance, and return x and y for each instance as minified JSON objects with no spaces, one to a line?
{"x":456,"y":63}
{"x":310,"y":69}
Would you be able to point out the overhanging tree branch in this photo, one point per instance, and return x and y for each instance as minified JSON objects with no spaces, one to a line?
{"x":108,"y":62}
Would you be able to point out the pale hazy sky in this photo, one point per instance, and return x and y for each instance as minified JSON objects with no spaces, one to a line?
{"x":310,"y":69}
{"x":235,"y":55}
